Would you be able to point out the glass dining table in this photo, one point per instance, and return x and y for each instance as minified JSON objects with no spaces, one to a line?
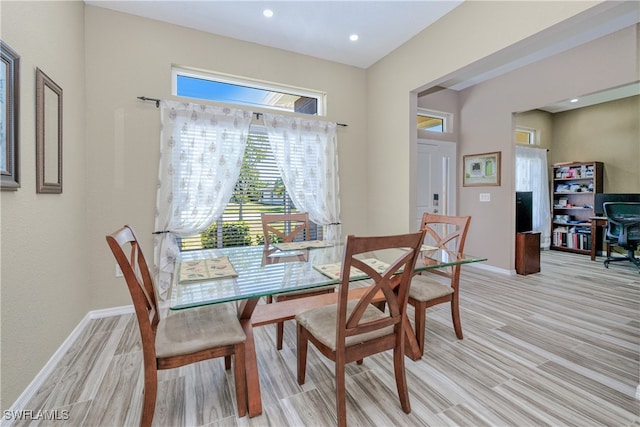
{"x":245,"y":274}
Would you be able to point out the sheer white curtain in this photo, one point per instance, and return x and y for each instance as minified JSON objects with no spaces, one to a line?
{"x":306,"y":152}
{"x":532,"y":175}
{"x":201,"y":151}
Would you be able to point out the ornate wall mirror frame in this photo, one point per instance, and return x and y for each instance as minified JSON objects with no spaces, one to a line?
{"x":9,"y":112}
{"x":48,"y":134}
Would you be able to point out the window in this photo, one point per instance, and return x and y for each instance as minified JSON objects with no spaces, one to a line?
{"x":232,"y":90}
{"x":434,"y":121}
{"x":525,"y":136}
{"x":259,"y":189}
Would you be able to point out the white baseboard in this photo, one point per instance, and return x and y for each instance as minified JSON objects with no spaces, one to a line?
{"x":48,"y":368}
{"x":113,"y":311}
{"x":491,"y":268}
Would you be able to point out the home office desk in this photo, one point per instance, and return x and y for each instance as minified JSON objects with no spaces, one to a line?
{"x":263,"y":272}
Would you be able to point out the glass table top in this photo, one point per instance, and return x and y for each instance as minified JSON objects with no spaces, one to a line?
{"x":262,"y":272}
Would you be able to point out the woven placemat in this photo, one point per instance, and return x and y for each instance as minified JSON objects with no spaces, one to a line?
{"x":333,"y":270}
{"x":206,"y":269}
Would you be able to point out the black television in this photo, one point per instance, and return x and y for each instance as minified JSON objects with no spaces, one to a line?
{"x":600,"y":198}
{"x":524,"y":211}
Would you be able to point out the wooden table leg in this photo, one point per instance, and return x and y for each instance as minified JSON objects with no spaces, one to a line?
{"x":594,"y":238}
{"x":254,"y":397}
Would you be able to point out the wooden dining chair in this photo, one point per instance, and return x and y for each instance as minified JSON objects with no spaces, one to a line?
{"x":353,"y":329}
{"x":447,"y":232}
{"x":286,"y":228}
{"x":181,"y":338}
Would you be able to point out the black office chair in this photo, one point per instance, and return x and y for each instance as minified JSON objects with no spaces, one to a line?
{"x":623,"y":229}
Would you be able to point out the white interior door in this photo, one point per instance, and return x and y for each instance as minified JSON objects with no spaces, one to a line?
{"x":436,"y":178}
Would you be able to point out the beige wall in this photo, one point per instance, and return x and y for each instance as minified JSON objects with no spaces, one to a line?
{"x":608,"y":133}
{"x":542,"y":122}
{"x":393,"y":82}
{"x":128,"y":56}
{"x":111,"y":142}
{"x":44,"y":270}
{"x":444,"y":101}
{"x":611,"y":58}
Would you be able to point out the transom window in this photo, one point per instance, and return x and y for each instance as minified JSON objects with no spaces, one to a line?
{"x":434,"y":121}
{"x":526,"y":136}
{"x":234,"y":90}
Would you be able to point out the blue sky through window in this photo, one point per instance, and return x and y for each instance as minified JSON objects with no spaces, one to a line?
{"x":223,"y":92}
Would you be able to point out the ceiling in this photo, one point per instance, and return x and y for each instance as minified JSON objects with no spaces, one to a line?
{"x":321,"y":29}
{"x":316,"y":28}
{"x":594,"y":98}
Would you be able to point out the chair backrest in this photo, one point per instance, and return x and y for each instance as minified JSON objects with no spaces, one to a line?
{"x":128,"y":253}
{"x":452,"y":229}
{"x":623,"y":223}
{"x":446,"y":232}
{"x":285,"y":227}
{"x":393,"y":282}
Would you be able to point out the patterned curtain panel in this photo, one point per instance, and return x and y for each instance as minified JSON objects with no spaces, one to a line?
{"x":306,"y":153}
{"x":532,"y":175}
{"x":201,"y":151}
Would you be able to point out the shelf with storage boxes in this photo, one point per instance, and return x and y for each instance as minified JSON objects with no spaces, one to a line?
{"x":574,"y":189}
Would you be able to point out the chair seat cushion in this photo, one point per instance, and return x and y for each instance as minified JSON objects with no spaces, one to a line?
{"x":321,"y":323}
{"x":194,"y":329}
{"x":424,"y":288}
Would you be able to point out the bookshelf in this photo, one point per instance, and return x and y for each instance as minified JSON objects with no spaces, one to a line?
{"x":574,"y":189}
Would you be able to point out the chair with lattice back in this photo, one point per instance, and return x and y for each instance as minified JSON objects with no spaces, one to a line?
{"x":353,"y":329}
{"x":181,"y":338}
{"x":446,"y":232}
{"x":286,"y":228}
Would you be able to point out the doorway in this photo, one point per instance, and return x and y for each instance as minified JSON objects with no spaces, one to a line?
{"x":436,"y":173}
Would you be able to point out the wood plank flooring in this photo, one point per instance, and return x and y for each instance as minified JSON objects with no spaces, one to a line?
{"x":557,"y":348}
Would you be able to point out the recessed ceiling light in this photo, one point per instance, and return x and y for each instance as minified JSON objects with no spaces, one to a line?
{"x":353,"y":37}
{"x":268,"y":13}
{"x":574,"y":100}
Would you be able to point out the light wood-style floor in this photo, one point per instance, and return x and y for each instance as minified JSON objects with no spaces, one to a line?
{"x":557,"y":348}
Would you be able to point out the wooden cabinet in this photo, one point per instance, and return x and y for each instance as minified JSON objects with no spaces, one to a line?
{"x":527,"y":252}
{"x":574,"y":189}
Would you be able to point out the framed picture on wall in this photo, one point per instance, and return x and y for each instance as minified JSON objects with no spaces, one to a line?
{"x":9,"y":113}
{"x":481,"y":170}
{"x":48,"y":135}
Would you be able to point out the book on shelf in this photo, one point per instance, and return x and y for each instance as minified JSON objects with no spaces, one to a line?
{"x":571,"y":238}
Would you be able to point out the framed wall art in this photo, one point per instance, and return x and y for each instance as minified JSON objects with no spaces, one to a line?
{"x":481,"y":170}
{"x":9,"y":111}
{"x":48,"y":134}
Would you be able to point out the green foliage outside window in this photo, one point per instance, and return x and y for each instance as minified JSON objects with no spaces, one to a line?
{"x":234,"y":233}
{"x":249,"y":185}
{"x":273,"y":238}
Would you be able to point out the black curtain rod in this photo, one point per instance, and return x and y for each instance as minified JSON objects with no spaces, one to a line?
{"x":157,"y":101}
{"x":144,"y":98}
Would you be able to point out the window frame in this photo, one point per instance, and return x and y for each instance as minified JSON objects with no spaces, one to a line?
{"x":447,"y":119}
{"x":533,"y":135}
{"x":250,"y":83}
